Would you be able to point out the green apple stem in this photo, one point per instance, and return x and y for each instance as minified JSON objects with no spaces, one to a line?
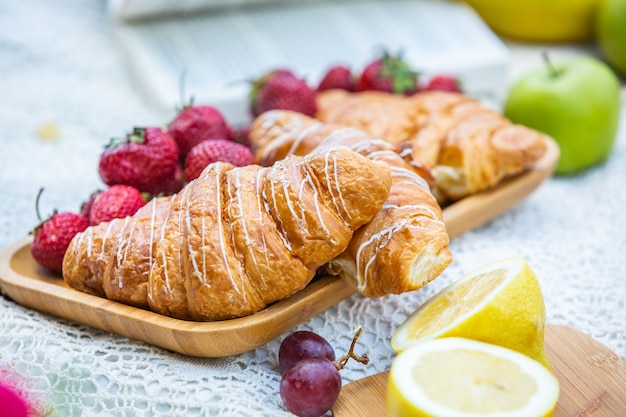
{"x":551,"y":68}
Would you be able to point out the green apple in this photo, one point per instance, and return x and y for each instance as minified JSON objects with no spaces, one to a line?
{"x":611,"y":32}
{"x":576,"y":102}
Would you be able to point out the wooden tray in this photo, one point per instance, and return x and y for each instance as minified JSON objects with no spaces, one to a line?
{"x":592,"y":379}
{"x":25,"y":282}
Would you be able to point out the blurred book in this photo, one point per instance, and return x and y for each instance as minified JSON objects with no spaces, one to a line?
{"x":218,"y":46}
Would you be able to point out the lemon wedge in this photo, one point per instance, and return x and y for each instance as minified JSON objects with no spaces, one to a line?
{"x":458,"y":377}
{"x":500,"y":303}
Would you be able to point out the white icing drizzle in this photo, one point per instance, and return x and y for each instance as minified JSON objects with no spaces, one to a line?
{"x":107,"y":231}
{"x":238,"y":198}
{"x":300,"y":218}
{"x":183,"y":203}
{"x":406,"y":152}
{"x":261,"y":203}
{"x":81,"y":237}
{"x":276,"y":211}
{"x":303,"y":135}
{"x":190,"y":249}
{"x":121,"y":259}
{"x":316,"y":199}
{"x":152,"y":226}
{"x":283,"y":134}
{"x":220,"y":231}
{"x":382,"y":237}
{"x":337,"y":186}
{"x":342,"y":134}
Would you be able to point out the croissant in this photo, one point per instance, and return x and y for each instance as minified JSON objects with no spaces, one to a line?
{"x":467,"y":146}
{"x":405,"y":245}
{"x":234,"y":240}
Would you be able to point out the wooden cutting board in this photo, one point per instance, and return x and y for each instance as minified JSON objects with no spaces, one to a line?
{"x":592,"y":378}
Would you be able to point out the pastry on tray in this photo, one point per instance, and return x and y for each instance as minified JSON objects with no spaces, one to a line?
{"x":235,"y":239}
{"x":468,"y":146}
{"x":405,"y":245}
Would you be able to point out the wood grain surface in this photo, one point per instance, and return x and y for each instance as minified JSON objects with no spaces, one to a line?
{"x":25,"y":282}
{"x":592,"y":379}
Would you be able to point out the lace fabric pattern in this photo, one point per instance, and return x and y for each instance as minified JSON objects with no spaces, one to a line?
{"x":572,"y":230}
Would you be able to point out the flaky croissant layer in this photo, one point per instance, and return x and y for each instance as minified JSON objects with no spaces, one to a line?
{"x":235,"y":239}
{"x":405,"y":245}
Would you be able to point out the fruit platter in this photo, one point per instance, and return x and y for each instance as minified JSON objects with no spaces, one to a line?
{"x":29,"y":284}
{"x":28,"y":279}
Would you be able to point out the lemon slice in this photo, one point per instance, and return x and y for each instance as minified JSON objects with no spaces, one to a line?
{"x":500,"y":303}
{"x":457,"y":377}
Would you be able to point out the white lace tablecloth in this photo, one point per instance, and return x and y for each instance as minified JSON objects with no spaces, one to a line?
{"x":58,"y":62}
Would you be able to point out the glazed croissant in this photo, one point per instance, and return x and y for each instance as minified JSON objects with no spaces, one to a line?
{"x":405,"y":245}
{"x":235,"y":239}
{"x":468,"y":146}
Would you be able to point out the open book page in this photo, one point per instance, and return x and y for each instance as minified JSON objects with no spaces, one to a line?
{"x":220,"y":52}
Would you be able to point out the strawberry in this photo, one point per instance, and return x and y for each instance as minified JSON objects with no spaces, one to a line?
{"x":443,"y":83}
{"x":117,"y":201}
{"x":52,"y":237}
{"x":13,"y":404}
{"x":211,"y":151}
{"x":242,"y":135}
{"x":338,"y":76}
{"x":281,"y":89}
{"x":143,"y":159}
{"x":85,"y":208}
{"x":390,"y":74}
{"x":173,"y":184}
{"x":194,"y":124}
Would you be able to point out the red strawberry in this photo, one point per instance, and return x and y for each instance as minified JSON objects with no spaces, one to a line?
{"x":443,"y":83}
{"x":195,"y":124}
{"x":143,"y":159}
{"x":338,"y":76}
{"x":53,"y":236}
{"x":173,"y":184}
{"x":118,"y":201}
{"x":211,"y":151}
{"x":390,"y":74}
{"x":242,"y":135}
{"x":281,"y":89}
{"x":85,"y":208}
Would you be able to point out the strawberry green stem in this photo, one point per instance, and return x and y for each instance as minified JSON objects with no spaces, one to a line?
{"x":37,"y":205}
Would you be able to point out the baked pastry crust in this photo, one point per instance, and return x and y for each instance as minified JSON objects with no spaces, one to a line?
{"x":405,"y":245}
{"x":235,"y":239}
{"x":468,"y":146}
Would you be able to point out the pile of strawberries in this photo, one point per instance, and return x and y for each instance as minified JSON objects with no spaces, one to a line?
{"x":152,"y":161}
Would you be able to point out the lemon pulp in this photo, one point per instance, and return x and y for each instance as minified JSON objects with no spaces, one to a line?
{"x":457,"y":377}
{"x":500,"y":303}
{"x":455,"y":303}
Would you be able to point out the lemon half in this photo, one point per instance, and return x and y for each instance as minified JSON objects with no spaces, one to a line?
{"x":500,"y":303}
{"x":457,"y":377}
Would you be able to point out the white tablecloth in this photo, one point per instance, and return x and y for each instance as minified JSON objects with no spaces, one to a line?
{"x":58,"y":62}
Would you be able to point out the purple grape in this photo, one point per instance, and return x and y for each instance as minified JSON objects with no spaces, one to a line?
{"x":303,"y":345}
{"x":310,"y":387}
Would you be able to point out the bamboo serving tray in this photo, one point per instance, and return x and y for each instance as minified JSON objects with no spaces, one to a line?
{"x":32,"y":286}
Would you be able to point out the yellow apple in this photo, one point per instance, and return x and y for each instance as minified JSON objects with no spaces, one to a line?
{"x":538,"y":20}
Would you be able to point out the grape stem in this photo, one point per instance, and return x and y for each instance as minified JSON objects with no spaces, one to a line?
{"x":364,"y":359}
